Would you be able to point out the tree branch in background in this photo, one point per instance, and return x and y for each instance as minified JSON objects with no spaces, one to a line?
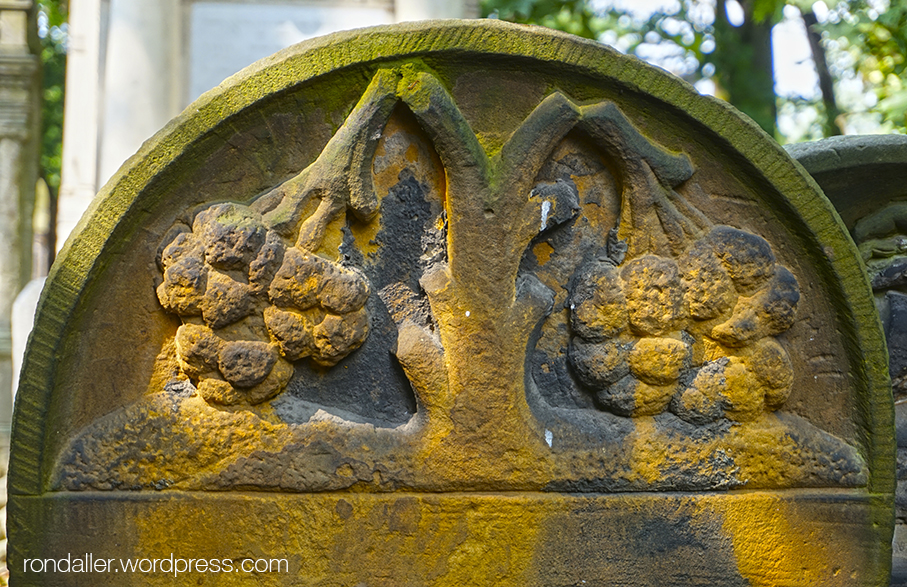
{"x":743,"y":61}
{"x":54,"y":34}
{"x":831,"y":126}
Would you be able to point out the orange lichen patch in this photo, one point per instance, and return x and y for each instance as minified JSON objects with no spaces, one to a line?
{"x":709,"y":292}
{"x":542,"y":252}
{"x":598,"y":216}
{"x":166,"y":367}
{"x":495,"y":541}
{"x":767,"y":456}
{"x":658,"y":361}
{"x":598,"y":304}
{"x":333,"y":238}
{"x":412,"y":153}
{"x":778,"y":542}
{"x":743,"y":394}
{"x":402,"y":147}
{"x":651,"y":400}
{"x":218,"y":391}
{"x":654,"y":294}
{"x":655,"y":455}
{"x":713,"y":350}
{"x":364,"y":234}
{"x":196,"y":349}
{"x":309,"y":207}
{"x":697,"y":351}
{"x":756,"y":455}
{"x":349,"y":539}
{"x":549,"y":342}
{"x":440,"y":185}
{"x":649,"y":454}
{"x":478,"y":539}
{"x":483,"y":450}
{"x":771,"y":365}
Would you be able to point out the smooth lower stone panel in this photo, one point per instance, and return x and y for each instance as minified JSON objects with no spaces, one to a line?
{"x":794,"y":538}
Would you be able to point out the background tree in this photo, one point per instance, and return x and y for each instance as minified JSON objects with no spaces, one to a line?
{"x":725,"y":46}
{"x":54,"y":34}
{"x":872,"y":39}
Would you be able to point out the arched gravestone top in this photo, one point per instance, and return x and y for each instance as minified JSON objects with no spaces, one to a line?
{"x":857,"y":173}
{"x":460,"y":301}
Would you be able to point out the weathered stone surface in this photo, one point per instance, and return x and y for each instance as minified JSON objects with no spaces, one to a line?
{"x":870,"y":165}
{"x":505,"y":539}
{"x":654,"y":295}
{"x":708,"y":289}
{"x":246,"y":363}
{"x":659,"y":361}
{"x":298,"y":280}
{"x":451,"y":326}
{"x":866,"y":179}
{"x":598,"y":365}
{"x":598,"y":305}
{"x":197,"y":349}
{"x":232,"y":235}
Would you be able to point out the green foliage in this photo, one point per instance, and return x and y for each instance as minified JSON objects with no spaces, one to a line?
{"x":743,"y":59}
{"x":688,"y":35}
{"x":765,"y":10}
{"x":864,"y":40}
{"x":877,"y":44}
{"x":573,"y":16}
{"x":52,"y":30}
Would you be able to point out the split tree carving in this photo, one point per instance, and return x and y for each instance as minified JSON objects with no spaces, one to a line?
{"x":675,"y":318}
{"x":684,"y":284}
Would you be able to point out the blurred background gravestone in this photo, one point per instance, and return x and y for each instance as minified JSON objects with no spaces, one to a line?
{"x":865,"y":177}
{"x":19,"y":124}
{"x":135,"y":64}
{"x":458,"y":303}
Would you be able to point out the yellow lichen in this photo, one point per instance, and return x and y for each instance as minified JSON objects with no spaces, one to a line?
{"x":658,"y":361}
{"x":778,"y":542}
{"x":649,"y":456}
{"x":542,"y":252}
{"x":742,"y":392}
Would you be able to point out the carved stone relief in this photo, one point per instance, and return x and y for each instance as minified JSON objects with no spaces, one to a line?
{"x":567,"y":253}
{"x":459,"y":303}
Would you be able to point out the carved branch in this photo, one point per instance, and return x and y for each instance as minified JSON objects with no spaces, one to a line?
{"x":422,"y":358}
{"x":532,"y":143}
{"x":491,"y":199}
{"x":654,"y":219}
{"x":523,"y":155}
{"x":341,"y":176}
{"x":465,"y":162}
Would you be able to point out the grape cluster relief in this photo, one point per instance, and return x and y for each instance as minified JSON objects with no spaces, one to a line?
{"x":695,"y":335}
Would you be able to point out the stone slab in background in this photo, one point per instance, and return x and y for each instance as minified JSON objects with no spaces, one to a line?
{"x":459,"y":303}
{"x":865,"y":177}
{"x":857,"y":173}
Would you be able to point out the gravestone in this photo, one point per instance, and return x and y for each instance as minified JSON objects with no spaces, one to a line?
{"x":865,"y":177}
{"x":458,"y":303}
